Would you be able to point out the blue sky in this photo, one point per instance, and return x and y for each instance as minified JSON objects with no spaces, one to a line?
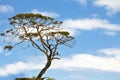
{"x":95,"y":25}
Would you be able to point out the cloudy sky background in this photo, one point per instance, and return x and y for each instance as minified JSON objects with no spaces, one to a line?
{"x":95,"y":54}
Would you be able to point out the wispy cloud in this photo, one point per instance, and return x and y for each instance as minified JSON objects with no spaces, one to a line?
{"x":110,"y":62}
{"x":6,"y":8}
{"x":110,"y":51}
{"x":90,"y":24}
{"x":51,"y":14}
{"x":112,"y":6}
{"x":77,"y":77}
{"x":110,"y":33}
{"x":82,"y":2}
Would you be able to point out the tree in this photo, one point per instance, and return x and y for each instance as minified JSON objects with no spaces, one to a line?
{"x":43,"y":32}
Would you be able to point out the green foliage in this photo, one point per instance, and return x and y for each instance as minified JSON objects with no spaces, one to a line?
{"x":21,"y":37}
{"x":65,"y":33}
{"x":32,"y":17}
{"x":48,"y":78}
{"x":9,"y":30}
{"x":9,"y":47}
{"x":2,"y":34}
{"x":32,"y":34}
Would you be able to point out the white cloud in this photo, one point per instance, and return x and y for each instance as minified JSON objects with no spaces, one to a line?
{"x":90,"y":24}
{"x":8,"y":54}
{"x":6,"y":8}
{"x":113,"y":6}
{"x":19,"y":67}
{"x":73,"y":62}
{"x":13,"y":68}
{"x":88,"y":61}
{"x":82,"y":2}
{"x":33,"y":63}
{"x":51,"y":14}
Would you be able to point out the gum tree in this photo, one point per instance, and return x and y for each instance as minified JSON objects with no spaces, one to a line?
{"x":43,"y":32}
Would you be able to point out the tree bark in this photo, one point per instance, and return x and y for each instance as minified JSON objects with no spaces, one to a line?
{"x":45,"y":68}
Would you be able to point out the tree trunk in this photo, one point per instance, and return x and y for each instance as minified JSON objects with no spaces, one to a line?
{"x":45,"y":68}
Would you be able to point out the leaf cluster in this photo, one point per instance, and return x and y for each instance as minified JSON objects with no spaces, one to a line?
{"x":65,"y":33}
{"x":32,"y":17}
{"x":9,"y":47}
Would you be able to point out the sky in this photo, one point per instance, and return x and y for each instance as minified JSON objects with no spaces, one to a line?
{"x":95,"y":25}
